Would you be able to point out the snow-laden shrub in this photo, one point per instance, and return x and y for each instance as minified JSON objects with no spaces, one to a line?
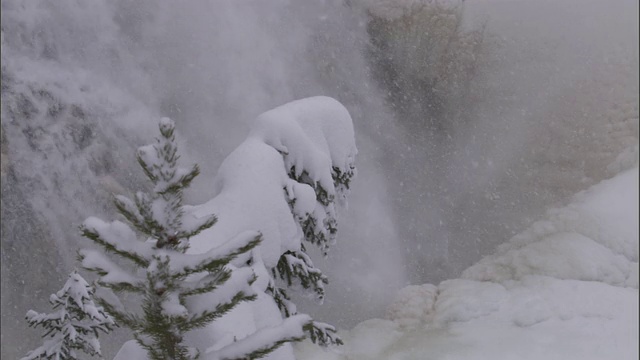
{"x":275,"y":193}
{"x":74,"y":325}
{"x":177,"y":292}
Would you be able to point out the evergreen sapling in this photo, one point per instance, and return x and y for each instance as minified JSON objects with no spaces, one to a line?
{"x":179,"y":292}
{"x":74,"y":326}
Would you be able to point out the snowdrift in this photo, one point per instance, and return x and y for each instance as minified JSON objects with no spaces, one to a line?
{"x":566,"y":288}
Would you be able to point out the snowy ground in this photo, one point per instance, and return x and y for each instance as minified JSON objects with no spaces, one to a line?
{"x":566,"y":288}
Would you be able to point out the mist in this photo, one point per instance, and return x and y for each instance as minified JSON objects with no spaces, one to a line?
{"x":553,"y":99}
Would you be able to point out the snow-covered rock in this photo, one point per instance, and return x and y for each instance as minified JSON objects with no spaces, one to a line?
{"x":566,"y":288}
{"x":595,"y":238}
{"x":413,"y":304}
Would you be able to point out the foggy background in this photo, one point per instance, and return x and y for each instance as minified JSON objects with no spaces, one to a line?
{"x":471,"y":120}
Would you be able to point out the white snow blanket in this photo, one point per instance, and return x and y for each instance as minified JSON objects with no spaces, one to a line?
{"x":566,"y":288}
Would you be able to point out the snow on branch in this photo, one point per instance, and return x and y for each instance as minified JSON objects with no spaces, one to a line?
{"x":111,"y":275}
{"x":296,"y":267}
{"x":186,"y":264}
{"x":263,"y":341}
{"x":316,"y":140}
{"x":117,"y":237}
{"x":159,"y":161}
{"x":285,"y":305}
{"x":313,"y":134}
{"x":323,"y":334}
{"x":236,"y":289}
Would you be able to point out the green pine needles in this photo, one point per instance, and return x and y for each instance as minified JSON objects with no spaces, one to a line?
{"x":174,"y":288}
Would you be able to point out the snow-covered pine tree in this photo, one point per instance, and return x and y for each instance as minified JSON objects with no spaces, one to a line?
{"x":318,"y":151}
{"x":74,"y":326}
{"x":284,"y":180}
{"x":179,"y":292}
{"x":319,"y":227}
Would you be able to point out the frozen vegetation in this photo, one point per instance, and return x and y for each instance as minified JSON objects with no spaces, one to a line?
{"x":222,"y":286}
{"x":74,"y":325}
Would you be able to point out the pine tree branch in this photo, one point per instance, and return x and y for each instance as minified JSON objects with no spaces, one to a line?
{"x":207,"y":284}
{"x":182,"y":265}
{"x":195,"y":229}
{"x":295,"y":267}
{"x":200,"y":320}
{"x":127,"y":208}
{"x":285,"y":305}
{"x":177,"y":183}
{"x":263,"y":341}
{"x":151,"y":226}
{"x":98,"y":231}
{"x":147,"y":168}
{"x":129,"y":320}
{"x":111,"y":275}
{"x":322,"y":334}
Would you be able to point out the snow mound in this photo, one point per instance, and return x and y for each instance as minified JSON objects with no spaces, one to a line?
{"x":365,"y":340}
{"x":412,"y":305}
{"x":566,"y":288}
{"x":626,"y":160}
{"x":462,"y":300}
{"x":595,"y":238}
